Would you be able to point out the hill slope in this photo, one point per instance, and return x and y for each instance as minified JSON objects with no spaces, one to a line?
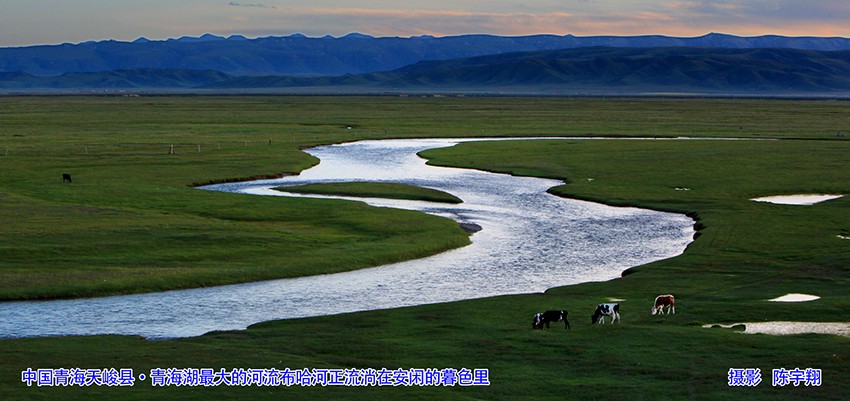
{"x":727,"y":70}
{"x":122,"y":79}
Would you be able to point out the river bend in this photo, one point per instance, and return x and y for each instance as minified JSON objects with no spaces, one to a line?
{"x":530,"y":241}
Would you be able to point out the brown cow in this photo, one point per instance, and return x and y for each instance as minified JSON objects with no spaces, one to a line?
{"x":661,"y":301}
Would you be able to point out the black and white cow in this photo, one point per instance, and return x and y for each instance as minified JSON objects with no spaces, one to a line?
{"x":661,"y":301}
{"x":550,"y":316}
{"x":603,"y":310}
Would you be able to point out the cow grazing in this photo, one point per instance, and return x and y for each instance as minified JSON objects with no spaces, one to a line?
{"x":66,"y":177}
{"x":537,"y":321}
{"x":603,"y":310}
{"x":661,"y":301}
{"x":550,"y":316}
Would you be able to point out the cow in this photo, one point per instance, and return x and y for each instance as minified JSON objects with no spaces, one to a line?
{"x":66,"y":177}
{"x":550,"y":316}
{"x":537,"y":321}
{"x":603,"y":310}
{"x":661,"y":301}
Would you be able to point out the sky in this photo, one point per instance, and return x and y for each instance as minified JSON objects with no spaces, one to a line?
{"x":32,"y":22}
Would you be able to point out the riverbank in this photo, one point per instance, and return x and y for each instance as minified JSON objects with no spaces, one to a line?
{"x":748,"y":253}
{"x":374,"y":190}
{"x":128,"y":223}
{"x":527,"y":230}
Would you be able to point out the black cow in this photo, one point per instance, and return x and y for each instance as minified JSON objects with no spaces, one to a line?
{"x":548,"y":317}
{"x":66,"y":177}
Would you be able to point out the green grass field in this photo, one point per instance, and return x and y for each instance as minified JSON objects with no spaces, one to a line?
{"x":384,"y":190}
{"x":131,"y":222}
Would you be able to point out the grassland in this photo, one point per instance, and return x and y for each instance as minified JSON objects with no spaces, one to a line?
{"x":384,"y":190}
{"x":747,"y":252}
{"x":131,"y":221}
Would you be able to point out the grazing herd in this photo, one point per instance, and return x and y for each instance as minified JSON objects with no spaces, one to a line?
{"x":602,"y":310}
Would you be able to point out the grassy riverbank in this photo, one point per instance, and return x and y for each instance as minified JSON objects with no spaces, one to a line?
{"x":128,"y":190}
{"x":131,"y":222}
{"x":383,"y":190}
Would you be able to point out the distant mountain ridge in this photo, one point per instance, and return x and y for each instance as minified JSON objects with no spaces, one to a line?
{"x":121,"y":79}
{"x":299,"y":55}
{"x":594,"y":70}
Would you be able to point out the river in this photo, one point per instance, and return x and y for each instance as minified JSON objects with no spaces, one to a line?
{"x":530,"y":241}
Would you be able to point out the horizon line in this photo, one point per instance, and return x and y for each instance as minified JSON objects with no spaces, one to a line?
{"x":237,"y":36}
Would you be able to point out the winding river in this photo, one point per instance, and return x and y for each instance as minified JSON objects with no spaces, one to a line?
{"x":530,"y":241}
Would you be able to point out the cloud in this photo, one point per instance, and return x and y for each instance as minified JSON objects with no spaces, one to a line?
{"x":684,"y":18}
{"x":254,"y":5}
{"x":390,"y":22}
{"x":755,"y":17}
{"x":765,"y":11}
{"x":28,"y":22}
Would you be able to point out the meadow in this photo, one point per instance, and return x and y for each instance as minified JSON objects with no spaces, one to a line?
{"x":131,"y":221}
{"x":374,"y":190}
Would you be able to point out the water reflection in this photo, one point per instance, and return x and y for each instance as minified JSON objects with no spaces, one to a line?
{"x":530,"y":241}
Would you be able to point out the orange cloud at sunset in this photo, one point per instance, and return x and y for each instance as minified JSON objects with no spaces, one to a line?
{"x":24,"y":22}
{"x":400,"y":22}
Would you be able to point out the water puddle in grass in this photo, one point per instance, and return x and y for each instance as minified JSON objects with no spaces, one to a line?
{"x":794,"y":297}
{"x":790,"y":328}
{"x":530,"y":241}
{"x":797,"y":200}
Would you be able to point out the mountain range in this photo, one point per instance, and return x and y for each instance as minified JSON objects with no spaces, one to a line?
{"x":350,"y":54}
{"x":548,"y":64}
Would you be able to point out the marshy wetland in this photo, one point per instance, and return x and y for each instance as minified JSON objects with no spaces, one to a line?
{"x":132,"y":221}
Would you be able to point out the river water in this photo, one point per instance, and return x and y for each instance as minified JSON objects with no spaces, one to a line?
{"x":530,"y":241}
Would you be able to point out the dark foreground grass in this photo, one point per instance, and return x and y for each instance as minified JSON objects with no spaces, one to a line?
{"x":384,"y":190}
{"x":644,"y":358}
{"x":747,"y":252}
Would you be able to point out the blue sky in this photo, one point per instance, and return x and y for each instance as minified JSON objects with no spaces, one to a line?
{"x":30,"y":22}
